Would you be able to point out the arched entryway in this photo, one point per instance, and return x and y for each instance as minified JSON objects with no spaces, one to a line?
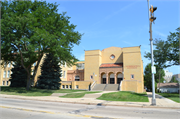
{"x":103,"y":79}
{"x":77,"y":78}
{"x":111,"y":77}
{"x":119,"y":78}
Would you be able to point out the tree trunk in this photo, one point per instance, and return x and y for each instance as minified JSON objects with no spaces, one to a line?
{"x":28,"y":82}
{"x":159,"y":79}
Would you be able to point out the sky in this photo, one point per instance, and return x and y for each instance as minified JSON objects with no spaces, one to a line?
{"x":120,"y":23}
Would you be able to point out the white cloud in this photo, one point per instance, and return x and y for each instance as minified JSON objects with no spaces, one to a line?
{"x":115,"y":13}
{"x":128,"y":43}
{"x":161,"y":34}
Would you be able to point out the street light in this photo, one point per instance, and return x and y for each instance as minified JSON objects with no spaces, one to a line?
{"x":153,"y":69}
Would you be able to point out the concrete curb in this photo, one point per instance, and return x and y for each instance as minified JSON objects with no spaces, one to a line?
{"x":92,"y":103}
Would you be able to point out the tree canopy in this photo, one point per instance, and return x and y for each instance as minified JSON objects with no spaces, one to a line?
{"x":148,"y":76}
{"x":166,"y":53}
{"x":30,"y":29}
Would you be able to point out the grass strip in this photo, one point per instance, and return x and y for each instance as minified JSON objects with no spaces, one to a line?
{"x":124,"y":96}
{"x":78,"y":95}
{"x":172,"y":96}
{"x":68,"y":91}
{"x":33,"y":91}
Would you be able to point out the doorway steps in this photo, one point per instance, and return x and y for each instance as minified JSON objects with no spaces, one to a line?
{"x":99,"y":87}
{"x":106,"y":87}
{"x":111,"y":87}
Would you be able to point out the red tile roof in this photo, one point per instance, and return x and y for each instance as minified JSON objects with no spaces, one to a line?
{"x":112,"y":65}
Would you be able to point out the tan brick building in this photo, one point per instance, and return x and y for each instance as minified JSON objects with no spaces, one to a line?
{"x":113,"y":65}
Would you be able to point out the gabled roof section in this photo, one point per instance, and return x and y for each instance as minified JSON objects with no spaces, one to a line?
{"x":112,"y":47}
{"x":168,"y":85}
{"x":111,"y":65}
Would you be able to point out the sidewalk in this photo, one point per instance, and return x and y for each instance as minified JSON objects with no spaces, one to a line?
{"x":90,"y":99}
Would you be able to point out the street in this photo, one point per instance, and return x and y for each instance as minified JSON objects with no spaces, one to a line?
{"x":28,"y":109}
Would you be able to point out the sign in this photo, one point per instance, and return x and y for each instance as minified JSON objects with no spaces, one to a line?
{"x":132,"y":66}
{"x":153,"y":69}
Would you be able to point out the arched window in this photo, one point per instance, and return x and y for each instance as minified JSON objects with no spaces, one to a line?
{"x":119,"y":75}
{"x":119,"y":78}
{"x":112,"y":76}
{"x":77,"y":78}
{"x":104,"y":76}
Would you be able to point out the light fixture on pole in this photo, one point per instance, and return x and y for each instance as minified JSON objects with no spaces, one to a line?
{"x":153,"y":68}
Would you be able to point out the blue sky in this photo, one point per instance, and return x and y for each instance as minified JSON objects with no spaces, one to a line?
{"x":120,"y":23}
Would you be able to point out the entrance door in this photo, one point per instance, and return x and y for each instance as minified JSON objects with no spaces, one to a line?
{"x":111,"y":80}
{"x":104,"y":81}
{"x":119,"y":80}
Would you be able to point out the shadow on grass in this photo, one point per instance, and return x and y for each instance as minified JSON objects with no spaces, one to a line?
{"x":23,"y":91}
{"x":176,"y":95}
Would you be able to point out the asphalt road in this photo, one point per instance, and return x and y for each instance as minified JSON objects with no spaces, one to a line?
{"x":30,"y":109}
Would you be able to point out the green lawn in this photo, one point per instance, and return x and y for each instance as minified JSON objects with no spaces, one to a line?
{"x":124,"y":96}
{"x":173,"y":96}
{"x":33,"y":92}
{"x":68,"y":91}
{"x":78,"y":95}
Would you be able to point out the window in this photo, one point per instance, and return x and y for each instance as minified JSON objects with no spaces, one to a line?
{"x":112,"y":57}
{"x":3,"y":83}
{"x":8,"y":74}
{"x":132,"y":76}
{"x":32,"y":72}
{"x":77,"y":78}
{"x":91,"y":77}
{"x":65,"y":64}
{"x":13,"y":64}
{"x":9,"y":64}
{"x":69,"y":86}
{"x":80,"y":66}
{"x":6,"y":82}
{"x":77,"y":87}
{"x":34,"y":64}
{"x":64,"y":75}
{"x":4,"y":76}
{"x":63,"y":86}
{"x":66,"y":86}
{"x":5,"y":65}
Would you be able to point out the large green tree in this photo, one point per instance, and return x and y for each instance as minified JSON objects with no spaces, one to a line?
{"x":30,"y":29}
{"x":148,"y":76}
{"x":166,"y":53}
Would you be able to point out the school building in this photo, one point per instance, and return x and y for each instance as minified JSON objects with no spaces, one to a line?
{"x":114,"y":68}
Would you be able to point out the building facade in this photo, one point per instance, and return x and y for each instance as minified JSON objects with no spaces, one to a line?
{"x":113,"y":65}
{"x":169,"y":87}
{"x":168,"y":76}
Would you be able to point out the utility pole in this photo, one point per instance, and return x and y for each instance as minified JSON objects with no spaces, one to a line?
{"x":153,"y":70}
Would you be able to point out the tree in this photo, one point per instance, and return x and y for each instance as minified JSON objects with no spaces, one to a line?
{"x":18,"y":76}
{"x":35,"y":28}
{"x":50,"y":73}
{"x":173,"y":80}
{"x":148,"y":76}
{"x":166,"y":51}
{"x":173,"y":42}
